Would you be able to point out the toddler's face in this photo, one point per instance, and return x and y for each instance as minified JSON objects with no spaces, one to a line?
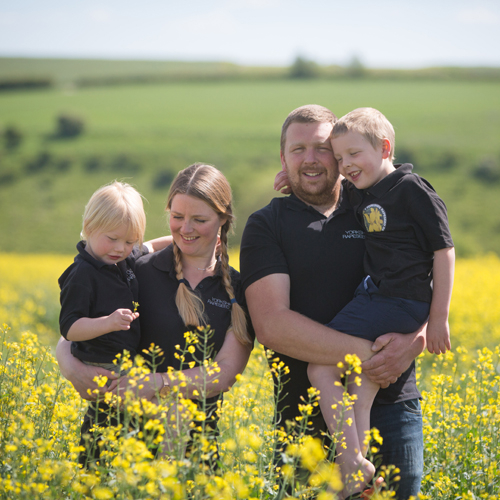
{"x":111,"y":246}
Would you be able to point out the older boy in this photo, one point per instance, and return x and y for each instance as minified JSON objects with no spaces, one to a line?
{"x":408,"y":246}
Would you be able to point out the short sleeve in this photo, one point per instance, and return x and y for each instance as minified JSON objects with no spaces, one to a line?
{"x":76,"y":299}
{"x":261,"y":253}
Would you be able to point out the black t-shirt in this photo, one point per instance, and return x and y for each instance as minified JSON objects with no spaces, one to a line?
{"x":324,"y":259}
{"x":405,"y":223}
{"x":92,"y":289}
{"x":161,"y":323}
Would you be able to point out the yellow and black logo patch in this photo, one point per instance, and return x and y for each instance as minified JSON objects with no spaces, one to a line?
{"x":375,"y":218}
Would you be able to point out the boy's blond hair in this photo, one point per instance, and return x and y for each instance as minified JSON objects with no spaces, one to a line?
{"x":113,"y":205}
{"x":371,"y":124}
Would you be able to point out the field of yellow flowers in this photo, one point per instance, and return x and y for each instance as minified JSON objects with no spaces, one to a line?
{"x":40,"y":413}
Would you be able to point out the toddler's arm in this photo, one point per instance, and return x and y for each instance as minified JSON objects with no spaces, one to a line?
{"x":438,"y":330}
{"x":90,"y":328}
{"x":158,"y":243}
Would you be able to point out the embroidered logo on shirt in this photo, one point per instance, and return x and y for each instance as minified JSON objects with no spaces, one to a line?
{"x":130,"y":275}
{"x":353,"y":233}
{"x":219,"y":303}
{"x":375,"y":218}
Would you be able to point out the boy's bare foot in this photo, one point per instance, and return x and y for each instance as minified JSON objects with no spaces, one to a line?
{"x":378,"y":483}
{"x":357,"y":478}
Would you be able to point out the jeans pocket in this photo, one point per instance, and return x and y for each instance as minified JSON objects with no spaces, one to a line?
{"x":412,"y":406}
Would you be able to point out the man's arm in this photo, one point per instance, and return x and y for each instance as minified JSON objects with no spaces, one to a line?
{"x":288,"y":332}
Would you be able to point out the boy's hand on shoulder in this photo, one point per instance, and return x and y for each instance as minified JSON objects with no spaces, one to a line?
{"x":438,"y":337}
{"x":121,"y":319}
{"x":281,"y":182}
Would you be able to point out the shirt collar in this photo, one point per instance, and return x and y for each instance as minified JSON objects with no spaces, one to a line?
{"x":294,"y":203}
{"x":165,"y":261}
{"x":390,"y":180}
{"x":82,"y":253}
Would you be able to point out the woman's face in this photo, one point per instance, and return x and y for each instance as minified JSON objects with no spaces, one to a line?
{"x":194,"y":226}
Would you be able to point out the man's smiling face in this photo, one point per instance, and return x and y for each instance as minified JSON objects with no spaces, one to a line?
{"x":309,"y":162}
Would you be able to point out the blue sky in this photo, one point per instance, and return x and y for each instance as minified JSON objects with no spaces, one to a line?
{"x":385,"y":33}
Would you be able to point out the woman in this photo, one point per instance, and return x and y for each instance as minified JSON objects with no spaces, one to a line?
{"x":184,"y":286}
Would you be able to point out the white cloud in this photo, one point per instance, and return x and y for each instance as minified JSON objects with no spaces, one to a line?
{"x":478,"y":15}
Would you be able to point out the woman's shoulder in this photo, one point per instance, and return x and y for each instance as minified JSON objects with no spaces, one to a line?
{"x":162,"y":260}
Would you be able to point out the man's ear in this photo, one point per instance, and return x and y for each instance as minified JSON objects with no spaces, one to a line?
{"x":386,"y":148}
{"x":283,"y":163}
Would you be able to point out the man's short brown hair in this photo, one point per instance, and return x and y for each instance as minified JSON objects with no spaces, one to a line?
{"x":310,"y":113}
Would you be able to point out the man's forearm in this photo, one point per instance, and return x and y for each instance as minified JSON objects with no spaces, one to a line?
{"x":288,"y":332}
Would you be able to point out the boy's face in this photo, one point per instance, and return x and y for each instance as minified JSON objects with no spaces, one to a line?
{"x":359,"y":162}
{"x":111,"y":247}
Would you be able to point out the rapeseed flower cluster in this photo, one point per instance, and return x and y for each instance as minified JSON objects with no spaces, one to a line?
{"x":41,"y":414}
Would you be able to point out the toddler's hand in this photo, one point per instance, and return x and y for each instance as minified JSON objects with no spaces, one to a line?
{"x":121,"y":319}
{"x":438,"y":338}
{"x":281,"y":182}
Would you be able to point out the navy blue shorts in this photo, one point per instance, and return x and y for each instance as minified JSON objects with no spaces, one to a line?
{"x":370,"y":314}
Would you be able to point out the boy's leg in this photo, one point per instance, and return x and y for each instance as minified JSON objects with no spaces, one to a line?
{"x":365,"y":394}
{"x":350,"y":456}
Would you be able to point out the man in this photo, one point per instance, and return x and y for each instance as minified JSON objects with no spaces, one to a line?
{"x":301,"y":261}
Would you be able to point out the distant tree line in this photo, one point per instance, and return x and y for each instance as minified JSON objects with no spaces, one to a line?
{"x":301,"y":68}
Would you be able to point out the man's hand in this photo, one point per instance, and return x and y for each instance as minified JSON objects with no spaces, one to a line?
{"x":394,"y":356}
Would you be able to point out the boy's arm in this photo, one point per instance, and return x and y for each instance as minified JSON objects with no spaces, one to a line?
{"x":158,"y":243}
{"x":438,"y":330}
{"x":90,"y":328}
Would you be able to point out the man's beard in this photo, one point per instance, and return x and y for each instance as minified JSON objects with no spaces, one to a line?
{"x":328,"y":195}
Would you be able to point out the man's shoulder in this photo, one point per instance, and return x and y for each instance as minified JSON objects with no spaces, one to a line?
{"x":274,"y":206}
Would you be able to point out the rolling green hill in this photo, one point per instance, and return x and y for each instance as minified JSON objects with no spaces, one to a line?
{"x":145,"y":134}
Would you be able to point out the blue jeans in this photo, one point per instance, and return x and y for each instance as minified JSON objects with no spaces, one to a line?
{"x":400,"y":425}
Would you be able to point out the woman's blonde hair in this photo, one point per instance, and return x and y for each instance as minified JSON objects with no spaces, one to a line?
{"x":113,"y":205}
{"x":208,"y":184}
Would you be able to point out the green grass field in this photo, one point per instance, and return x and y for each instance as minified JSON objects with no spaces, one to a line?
{"x":138,"y":132}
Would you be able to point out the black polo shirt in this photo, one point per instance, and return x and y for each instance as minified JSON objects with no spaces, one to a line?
{"x":324,"y":259}
{"x":92,"y":289}
{"x":405,"y":223}
{"x":161,"y":323}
